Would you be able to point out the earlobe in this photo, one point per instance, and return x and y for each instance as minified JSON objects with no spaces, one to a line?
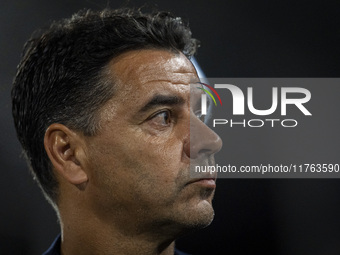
{"x":64,"y":148}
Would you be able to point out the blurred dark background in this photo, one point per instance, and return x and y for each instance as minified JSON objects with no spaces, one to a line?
{"x":239,"y":39}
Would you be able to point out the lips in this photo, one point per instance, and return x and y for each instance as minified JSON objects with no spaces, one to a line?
{"x":209,"y":182}
{"x":204,"y":178}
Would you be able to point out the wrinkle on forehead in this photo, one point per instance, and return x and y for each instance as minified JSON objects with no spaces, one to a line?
{"x":138,"y":75}
{"x":153,"y":65}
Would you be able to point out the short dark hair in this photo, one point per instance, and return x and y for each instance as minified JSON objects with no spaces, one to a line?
{"x":61,"y":77}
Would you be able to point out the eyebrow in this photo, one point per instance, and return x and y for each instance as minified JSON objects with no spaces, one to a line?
{"x":159,"y":100}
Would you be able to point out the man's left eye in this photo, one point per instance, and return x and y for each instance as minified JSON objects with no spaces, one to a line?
{"x":162,"y":118}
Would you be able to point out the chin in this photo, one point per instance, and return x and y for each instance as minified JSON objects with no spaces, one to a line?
{"x":190,"y":217}
{"x":205,"y":214}
{"x":199,"y":216}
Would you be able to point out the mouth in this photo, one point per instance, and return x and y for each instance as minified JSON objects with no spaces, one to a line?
{"x":205,"y":182}
{"x":207,"y":178}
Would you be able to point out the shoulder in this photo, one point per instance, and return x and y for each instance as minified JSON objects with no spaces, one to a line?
{"x":177,"y":252}
{"x":54,"y":248}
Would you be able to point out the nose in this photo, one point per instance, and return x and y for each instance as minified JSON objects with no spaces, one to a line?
{"x":203,"y":140}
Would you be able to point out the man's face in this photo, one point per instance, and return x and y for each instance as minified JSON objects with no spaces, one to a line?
{"x":138,"y":164}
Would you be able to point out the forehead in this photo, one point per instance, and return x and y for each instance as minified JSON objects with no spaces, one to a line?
{"x":151,"y":68}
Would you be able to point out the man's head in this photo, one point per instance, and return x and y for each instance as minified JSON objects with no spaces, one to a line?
{"x":63,"y":76}
{"x":101,"y":104}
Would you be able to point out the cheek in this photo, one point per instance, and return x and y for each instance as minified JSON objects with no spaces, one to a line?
{"x":138,"y":166}
{"x":140,"y":156}
{"x":154,"y":169}
{"x":162,"y":153}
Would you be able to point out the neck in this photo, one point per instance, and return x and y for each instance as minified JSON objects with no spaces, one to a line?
{"x":112,"y":245}
{"x":90,"y":235}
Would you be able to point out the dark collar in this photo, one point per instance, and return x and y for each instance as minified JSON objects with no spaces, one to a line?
{"x":55,"y":248}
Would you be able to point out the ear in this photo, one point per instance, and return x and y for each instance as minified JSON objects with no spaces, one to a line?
{"x":65,"y":150}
